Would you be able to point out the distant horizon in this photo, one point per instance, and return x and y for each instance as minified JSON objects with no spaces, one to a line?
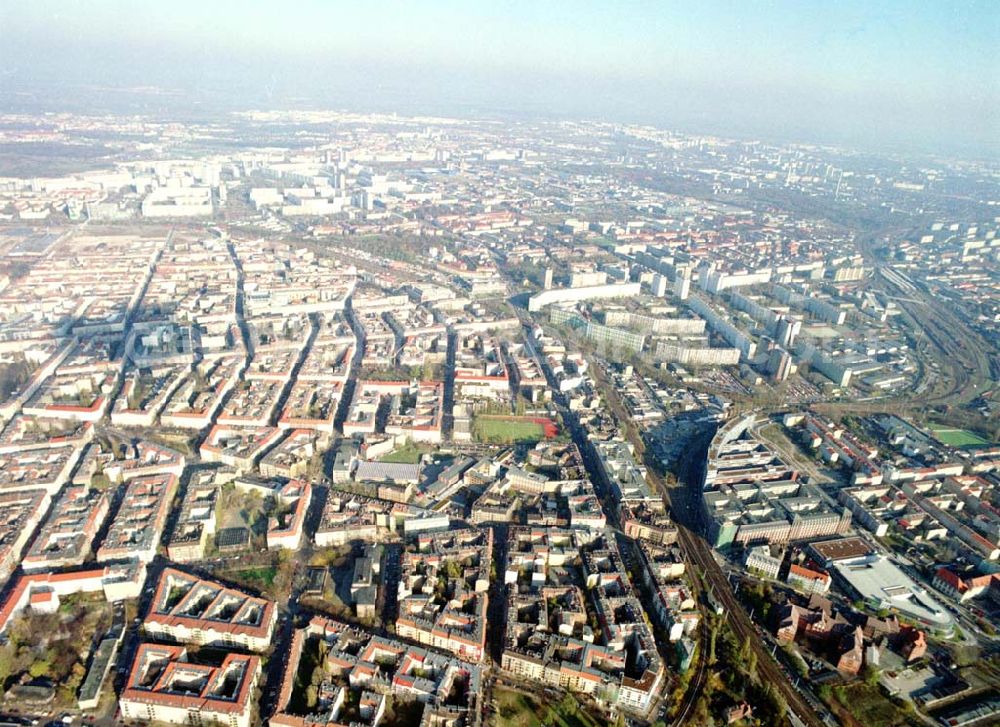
{"x":175,"y":104}
{"x":917,"y":77}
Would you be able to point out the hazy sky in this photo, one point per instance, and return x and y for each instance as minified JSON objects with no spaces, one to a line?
{"x":915,"y":73}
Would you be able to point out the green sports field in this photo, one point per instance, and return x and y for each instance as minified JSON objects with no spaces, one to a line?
{"x":495,"y":430}
{"x":957,"y":437}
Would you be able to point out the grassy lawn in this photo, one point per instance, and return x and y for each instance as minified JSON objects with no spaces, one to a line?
{"x":957,"y":437}
{"x":260,"y":578}
{"x":518,"y":710}
{"x":506,"y":430}
{"x":409,"y":453}
{"x":334,"y":555}
{"x":869,"y":707}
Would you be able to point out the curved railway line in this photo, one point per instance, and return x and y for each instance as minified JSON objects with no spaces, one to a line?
{"x":699,"y":552}
{"x":962,"y":351}
{"x":686,"y":515}
{"x":960,"y":348}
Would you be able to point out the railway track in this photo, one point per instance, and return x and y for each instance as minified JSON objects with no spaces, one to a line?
{"x":961,"y":349}
{"x":696,"y":550}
